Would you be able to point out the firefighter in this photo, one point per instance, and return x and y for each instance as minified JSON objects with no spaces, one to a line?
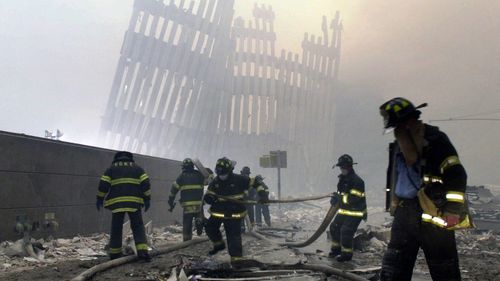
{"x":429,"y":196}
{"x":351,"y":197}
{"x":229,"y":213}
{"x":124,"y":189}
{"x":261,"y":209}
{"x":190,"y":183}
{"x":250,"y":195}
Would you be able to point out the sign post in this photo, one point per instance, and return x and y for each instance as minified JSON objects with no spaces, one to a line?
{"x":275,"y":159}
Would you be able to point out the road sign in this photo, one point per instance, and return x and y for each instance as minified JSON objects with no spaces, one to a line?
{"x":275,"y":159}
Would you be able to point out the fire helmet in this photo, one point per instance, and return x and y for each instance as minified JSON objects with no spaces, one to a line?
{"x":123,"y":156}
{"x":223,"y":166}
{"x":245,"y":171}
{"x":398,"y":110}
{"x":345,"y":161}
{"x":188,"y":164}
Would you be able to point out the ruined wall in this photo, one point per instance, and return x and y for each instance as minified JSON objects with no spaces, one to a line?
{"x":39,"y":176}
{"x":193,"y":81}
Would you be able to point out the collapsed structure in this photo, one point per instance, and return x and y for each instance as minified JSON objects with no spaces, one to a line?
{"x":194,"y":81}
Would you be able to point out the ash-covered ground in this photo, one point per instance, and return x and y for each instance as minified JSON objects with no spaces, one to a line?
{"x":63,"y":259}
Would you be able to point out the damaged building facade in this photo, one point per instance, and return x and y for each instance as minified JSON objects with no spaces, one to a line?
{"x":193,"y":80}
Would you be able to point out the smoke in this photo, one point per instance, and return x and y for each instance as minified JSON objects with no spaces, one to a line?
{"x":59,"y":58}
{"x":446,"y":53}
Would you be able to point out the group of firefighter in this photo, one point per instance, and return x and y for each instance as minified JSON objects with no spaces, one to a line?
{"x":427,"y":200}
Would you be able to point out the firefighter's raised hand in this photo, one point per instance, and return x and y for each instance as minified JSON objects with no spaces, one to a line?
{"x":99,"y":202}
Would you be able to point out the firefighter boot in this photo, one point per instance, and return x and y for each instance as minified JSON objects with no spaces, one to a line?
{"x":219,"y":246}
{"x":115,"y":256}
{"x":334,"y":252}
{"x":144,"y":255}
{"x":238,"y":262}
{"x":344,"y":257}
{"x":199,"y":226}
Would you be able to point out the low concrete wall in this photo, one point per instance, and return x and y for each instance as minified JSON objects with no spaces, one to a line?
{"x":39,"y":176}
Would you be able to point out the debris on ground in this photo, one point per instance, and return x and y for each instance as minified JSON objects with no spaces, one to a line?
{"x":64,"y":258}
{"x":13,"y":256}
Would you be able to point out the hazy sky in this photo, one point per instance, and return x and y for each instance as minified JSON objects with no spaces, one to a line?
{"x":58,"y":57}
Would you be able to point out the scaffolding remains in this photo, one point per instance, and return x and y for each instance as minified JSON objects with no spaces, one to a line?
{"x":194,"y":81}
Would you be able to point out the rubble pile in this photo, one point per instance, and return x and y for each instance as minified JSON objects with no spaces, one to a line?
{"x":474,"y":241}
{"x":485,"y":207}
{"x":372,"y":239}
{"x":14,"y":257}
{"x":301,"y":214}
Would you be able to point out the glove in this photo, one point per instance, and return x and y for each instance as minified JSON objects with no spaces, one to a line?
{"x":171,"y":202}
{"x":99,"y":202}
{"x":335,"y":199}
{"x":451,"y":219}
{"x":264,"y":200}
{"x":147,"y":204}
{"x":210,"y":198}
{"x":437,"y":193}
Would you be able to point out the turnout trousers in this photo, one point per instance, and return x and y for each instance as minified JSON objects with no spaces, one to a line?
{"x":233,"y":234}
{"x":137,"y":226}
{"x":408,"y":234}
{"x":342,"y":231}
{"x":262,"y":210}
{"x":188,"y":216}
{"x":251,"y":217}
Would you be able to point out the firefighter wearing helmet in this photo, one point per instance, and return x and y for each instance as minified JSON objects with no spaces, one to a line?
{"x":124,"y":188}
{"x":190,"y":183}
{"x":261,"y":209}
{"x":350,"y":196}
{"x":227,"y":212}
{"x":251,"y":195}
{"x":428,"y":199}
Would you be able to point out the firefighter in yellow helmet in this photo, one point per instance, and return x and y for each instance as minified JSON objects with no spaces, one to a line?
{"x":229,"y":213}
{"x":351,"y":197}
{"x":428,"y":201}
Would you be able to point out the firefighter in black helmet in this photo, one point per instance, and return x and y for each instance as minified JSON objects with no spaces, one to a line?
{"x":261,"y":209}
{"x":428,"y":200}
{"x":351,"y":197}
{"x":124,"y":189}
{"x":251,"y":194}
{"x":190,"y":183}
{"x":229,"y":213}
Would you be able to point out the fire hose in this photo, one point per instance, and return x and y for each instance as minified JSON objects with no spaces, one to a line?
{"x":272,"y":201}
{"x":87,"y":274}
{"x":326,"y":221}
